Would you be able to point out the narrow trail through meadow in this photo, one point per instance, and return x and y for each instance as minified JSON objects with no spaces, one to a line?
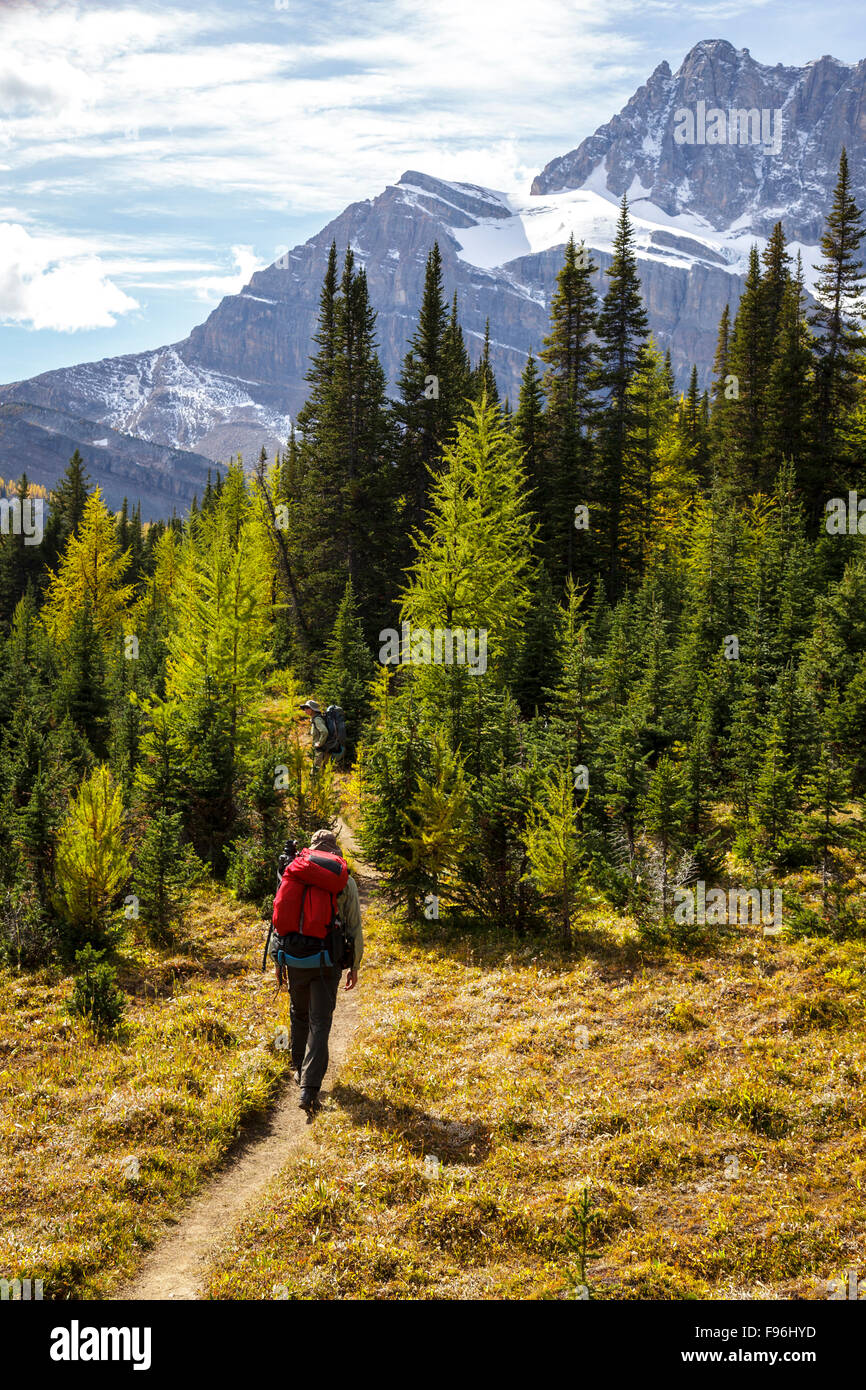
{"x":174,"y":1269}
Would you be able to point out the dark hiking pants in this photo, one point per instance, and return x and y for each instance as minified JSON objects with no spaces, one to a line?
{"x":313,"y":995}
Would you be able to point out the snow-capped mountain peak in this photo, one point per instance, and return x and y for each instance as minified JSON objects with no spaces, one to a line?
{"x":738,"y":180}
{"x":711,"y":157}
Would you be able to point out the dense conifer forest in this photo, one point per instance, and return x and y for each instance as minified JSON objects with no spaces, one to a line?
{"x":651,"y":603}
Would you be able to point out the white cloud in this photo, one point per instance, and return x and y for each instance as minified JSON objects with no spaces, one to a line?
{"x":51,"y":282}
{"x":246,"y":262}
{"x":313,"y":108}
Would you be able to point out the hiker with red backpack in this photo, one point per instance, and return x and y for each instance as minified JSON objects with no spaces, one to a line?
{"x":317,"y":934}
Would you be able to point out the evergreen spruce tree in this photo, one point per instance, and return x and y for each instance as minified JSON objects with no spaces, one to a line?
{"x":669,"y":378}
{"x":30,"y":804}
{"x":82,"y":693}
{"x":426,"y":398}
{"x":211,"y":775}
{"x":789,"y":397}
{"x":622,"y":333}
{"x":693,"y":427}
{"x":165,"y":864}
{"x":538,"y":665}
{"x":361,"y":444}
{"x":284,"y":507}
{"x":483,"y":380}
{"x":455,"y":387}
{"x":720,"y":392}
{"x":743,"y":745}
{"x":823,"y":793}
{"x":691,"y":409}
{"x":839,"y":340}
{"x":774,"y":283}
{"x":569,"y":357}
{"x":743,"y":417}
{"x":321,"y":369}
{"x":342,"y":514}
{"x":395,"y":761}
{"x":651,"y":412}
{"x":123,"y":526}
{"x":66,"y":505}
{"x":653,"y":689}
{"x":165,"y":870}
{"x":774,"y":800}
{"x":698,"y":773}
{"x":664,"y":810}
{"x":574,"y":698}
{"x":833,"y":652}
{"x":495,"y":884}
{"x":621,"y":662}
{"x":160,"y":771}
{"x":528,"y":425}
{"x":624,"y":756}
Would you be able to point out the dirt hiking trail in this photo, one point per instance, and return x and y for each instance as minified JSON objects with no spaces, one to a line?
{"x":174,"y":1269}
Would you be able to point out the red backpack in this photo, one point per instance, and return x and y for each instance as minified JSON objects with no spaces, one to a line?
{"x":306,"y":900}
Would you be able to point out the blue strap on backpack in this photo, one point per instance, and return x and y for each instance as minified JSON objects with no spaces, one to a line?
{"x":322,"y":960}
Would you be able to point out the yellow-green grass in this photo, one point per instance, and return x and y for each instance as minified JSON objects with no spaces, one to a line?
{"x":102,"y":1139}
{"x":712,"y":1105}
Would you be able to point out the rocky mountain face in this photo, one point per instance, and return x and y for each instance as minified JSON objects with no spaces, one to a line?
{"x":40,"y":441}
{"x":264,"y":333}
{"x":815,"y":109}
{"x":235,"y":383}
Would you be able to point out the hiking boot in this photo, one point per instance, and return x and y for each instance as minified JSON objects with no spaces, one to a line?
{"x":309,"y":1100}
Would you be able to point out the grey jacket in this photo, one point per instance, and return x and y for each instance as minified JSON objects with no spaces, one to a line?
{"x":349,"y":908}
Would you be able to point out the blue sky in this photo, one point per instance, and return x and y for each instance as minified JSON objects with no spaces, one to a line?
{"x":153,"y":155}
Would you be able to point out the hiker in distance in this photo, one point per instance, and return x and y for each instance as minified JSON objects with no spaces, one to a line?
{"x":328,"y":732}
{"x":317,"y":935}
